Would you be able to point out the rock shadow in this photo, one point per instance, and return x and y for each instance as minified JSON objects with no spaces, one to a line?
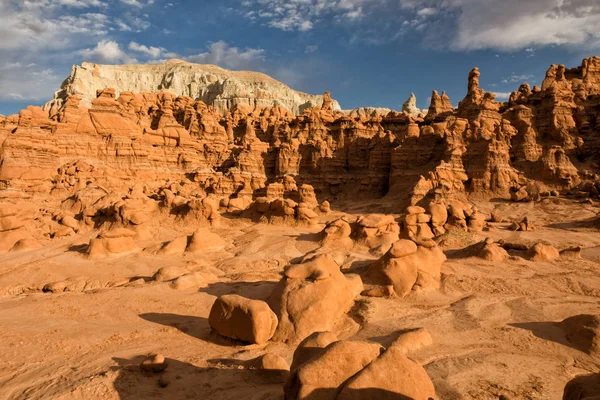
{"x":258,"y":290}
{"x":591,"y":223}
{"x":551,"y":331}
{"x":183,"y":380}
{"x":191,"y":325}
{"x":78,"y":248}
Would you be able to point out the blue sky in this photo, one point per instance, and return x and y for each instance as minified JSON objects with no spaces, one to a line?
{"x":366,"y":52}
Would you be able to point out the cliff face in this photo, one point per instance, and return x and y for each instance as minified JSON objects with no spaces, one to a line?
{"x":544,"y":139}
{"x":215,"y":86}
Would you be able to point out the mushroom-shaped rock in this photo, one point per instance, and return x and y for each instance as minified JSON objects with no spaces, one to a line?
{"x":377,"y":231}
{"x":337,"y":234}
{"x":311,"y":297}
{"x":239,"y":318}
{"x":320,"y":377}
{"x":492,"y":251}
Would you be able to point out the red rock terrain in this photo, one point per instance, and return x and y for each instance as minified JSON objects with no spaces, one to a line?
{"x":153,"y":247}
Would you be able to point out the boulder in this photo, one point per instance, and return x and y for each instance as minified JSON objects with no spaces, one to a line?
{"x":175,"y":246}
{"x":25,"y":245}
{"x":583,"y":332}
{"x":190,"y":280}
{"x":389,"y":377}
{"x":203,"y":240}
{"x":117,"y":241}
{"x":311,"y":347}
{"x":541,"y":252}
{"x":270,"y":362}
{"x":154,"y":364}
{"x":320,"y":377}
{"x":168,"y":273}
{"x":583,"y":387}
{"x":413,"y":340}
{"x":239,"y":318}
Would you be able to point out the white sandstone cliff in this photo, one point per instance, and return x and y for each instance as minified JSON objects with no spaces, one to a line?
{"x":218,"y":87}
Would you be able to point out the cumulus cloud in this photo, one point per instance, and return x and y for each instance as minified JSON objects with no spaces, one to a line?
{"x":108,"y":51}
{"x":49,"y":25}
{"x":222,"y":54}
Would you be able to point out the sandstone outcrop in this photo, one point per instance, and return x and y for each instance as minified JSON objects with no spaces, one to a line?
{"x":311,"y":297}
{"x":117,"y":241}
{"x":127,"y":156}
{"x":408,"y":266}
{"x":535,"y":144}
{"x":356,"y":370}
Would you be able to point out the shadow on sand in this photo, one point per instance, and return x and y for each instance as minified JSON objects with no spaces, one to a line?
{"x":258,"y":290}
{"x":182,"y":380}
{"x":552,"y":331}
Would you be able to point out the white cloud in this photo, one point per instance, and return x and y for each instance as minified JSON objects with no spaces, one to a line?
{"x":42,"y":38}
{"x":302,"y":15}
{"x":107,"y":51}
{"x":517,"y":78}
{"x":502,"y":95}
{"x":149,"y":50}
{"x":460,"y":25}
{"x":514,"y":24}
{"x":155,"y":52}
{"x":138,"y":3}
{"x":222,"y":54}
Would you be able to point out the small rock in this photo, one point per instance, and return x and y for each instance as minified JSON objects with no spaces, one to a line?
{"x":154,"y":364}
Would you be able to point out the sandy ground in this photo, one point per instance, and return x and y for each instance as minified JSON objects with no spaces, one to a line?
{"x":493,"y":324}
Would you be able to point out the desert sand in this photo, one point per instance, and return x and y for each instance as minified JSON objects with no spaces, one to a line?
{"x":493,"y":324}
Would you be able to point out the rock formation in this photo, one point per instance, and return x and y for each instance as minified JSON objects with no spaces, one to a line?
{"x":322,"y":369}
{"x":311,"y":297}
{"x":540,"y":142}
